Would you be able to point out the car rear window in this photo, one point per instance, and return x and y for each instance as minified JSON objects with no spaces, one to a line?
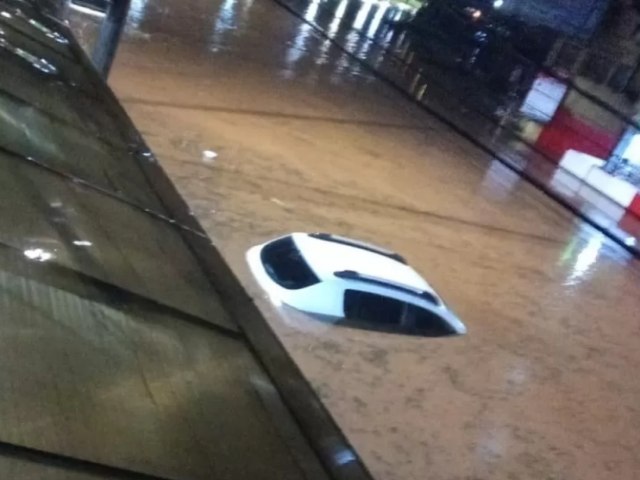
{"x":285,"y":265}
{"x":377,"y":312}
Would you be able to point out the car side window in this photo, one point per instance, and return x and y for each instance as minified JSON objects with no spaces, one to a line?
{"x":285,"y":265}
{"x":428,"y":323}
{"x":377,"y":310}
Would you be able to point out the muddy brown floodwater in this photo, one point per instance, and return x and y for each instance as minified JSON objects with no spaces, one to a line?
{"x":267,"y":128}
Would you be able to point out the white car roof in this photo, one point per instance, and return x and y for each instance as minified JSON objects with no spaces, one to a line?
{"x":327,"y":257}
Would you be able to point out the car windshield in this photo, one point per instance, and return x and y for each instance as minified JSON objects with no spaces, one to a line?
{"x":285,"y":265}
{"x":378,"y":312}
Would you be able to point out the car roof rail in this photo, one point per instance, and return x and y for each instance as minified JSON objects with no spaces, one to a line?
{"x":358,"y":244}
{"x":353,"y":275}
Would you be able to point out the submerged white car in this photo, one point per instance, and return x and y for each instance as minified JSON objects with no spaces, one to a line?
{"x":352,"y":283}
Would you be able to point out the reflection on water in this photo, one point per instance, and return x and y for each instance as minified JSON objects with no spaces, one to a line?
{"x":366,"y":30}
{"x":357,"y":26}
{"x":297,"y":49}
{"x":357,"y":21}
{"x":225,"y":21}
{"x":586,"y":259}
{"x":342,"y":65}
{"x":232,"y":16}
{"x":137,"y":12}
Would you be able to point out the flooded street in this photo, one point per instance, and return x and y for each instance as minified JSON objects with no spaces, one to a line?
{"x":267,"y":127}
